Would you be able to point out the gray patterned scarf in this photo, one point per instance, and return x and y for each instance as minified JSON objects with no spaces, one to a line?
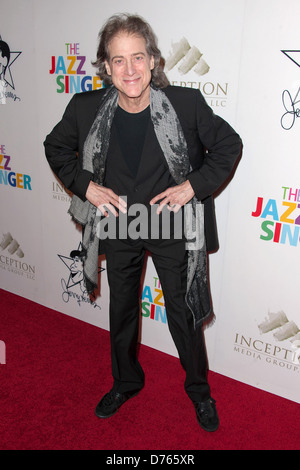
{"x":173,"y":144}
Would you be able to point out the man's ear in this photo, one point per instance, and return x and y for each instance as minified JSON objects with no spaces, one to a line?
{"x":152,"y":63}
{"x":108,"y":70}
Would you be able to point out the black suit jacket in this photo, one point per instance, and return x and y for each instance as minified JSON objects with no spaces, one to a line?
{"x":213,"y":146}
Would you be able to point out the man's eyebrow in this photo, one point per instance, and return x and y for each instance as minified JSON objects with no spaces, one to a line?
{"x":132,"y":55}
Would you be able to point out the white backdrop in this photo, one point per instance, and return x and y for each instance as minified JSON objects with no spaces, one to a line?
{"x":249,"y":72}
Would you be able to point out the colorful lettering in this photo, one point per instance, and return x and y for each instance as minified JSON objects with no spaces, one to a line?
{"x":16,"y":180}
{"x":284,"y":226}
{"x":72,"y":59}
{"x":158,"y":297}
{"x":152,"y":305}
{"x":270,"y":210}
{"x":291,"y":207}
{"x":11,"y":178}
{"x":147,"y":294}
{"x":258,"y":209}
{"x":71,"y":74}
{"x":6,"y":159}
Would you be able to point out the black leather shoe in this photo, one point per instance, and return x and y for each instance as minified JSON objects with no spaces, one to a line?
{"x":207,"y":415}
{"x":111,"y":402}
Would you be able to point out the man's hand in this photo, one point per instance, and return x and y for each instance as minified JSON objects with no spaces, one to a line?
{"x":104,"y":198}
{"x":175,"y":197}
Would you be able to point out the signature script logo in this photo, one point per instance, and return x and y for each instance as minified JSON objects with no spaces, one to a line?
{"x":290,"y":104}
{"x":292,"y":108}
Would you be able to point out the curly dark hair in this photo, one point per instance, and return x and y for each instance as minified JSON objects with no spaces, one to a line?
{"x":135,"y":25}
{"x":5,"y":52}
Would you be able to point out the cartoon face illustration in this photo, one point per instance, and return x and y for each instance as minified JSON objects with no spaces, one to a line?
{"x":76,"y":267}
{"x":74,"y":287}
{"x":4,"y":58}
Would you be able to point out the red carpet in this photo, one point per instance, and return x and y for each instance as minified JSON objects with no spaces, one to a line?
{"x":57,"y":368}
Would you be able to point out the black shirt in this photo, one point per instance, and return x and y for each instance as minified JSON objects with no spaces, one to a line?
{"x":131,"y":129}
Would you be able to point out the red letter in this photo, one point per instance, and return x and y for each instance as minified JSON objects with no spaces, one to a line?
{"x":258,"y":207}
{"x":152,"y":312}
{"x":53,"y":64}
{"x":277,"y":233}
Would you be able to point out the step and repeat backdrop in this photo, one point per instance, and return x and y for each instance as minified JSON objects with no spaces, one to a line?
{"x":244,"y":56}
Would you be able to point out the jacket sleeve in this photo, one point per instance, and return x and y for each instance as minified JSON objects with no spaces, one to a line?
{"x":61,"y":148}
{"x":223,"y":147}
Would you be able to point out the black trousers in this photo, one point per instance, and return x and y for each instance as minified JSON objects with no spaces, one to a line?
{"x":125,"y":261}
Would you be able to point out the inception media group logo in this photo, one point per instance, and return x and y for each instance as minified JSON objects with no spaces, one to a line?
{"x":8,"y":58}
{"x":187,"y":65}
{"x":186,"y":58}
{"x":11,"y":245}
{"x":12,"y":258}
{"x":278,"y":344}
{"x":283,"y":329}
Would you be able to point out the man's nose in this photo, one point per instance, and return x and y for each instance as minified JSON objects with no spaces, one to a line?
{"x":130,"y":69}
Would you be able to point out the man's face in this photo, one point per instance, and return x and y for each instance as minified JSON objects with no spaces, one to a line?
{"x":130,"y":67}
{"x":3,"y":63}
{"x":77,"y":265}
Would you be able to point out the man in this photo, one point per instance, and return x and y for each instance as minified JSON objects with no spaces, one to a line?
{"x":144,"y":142}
